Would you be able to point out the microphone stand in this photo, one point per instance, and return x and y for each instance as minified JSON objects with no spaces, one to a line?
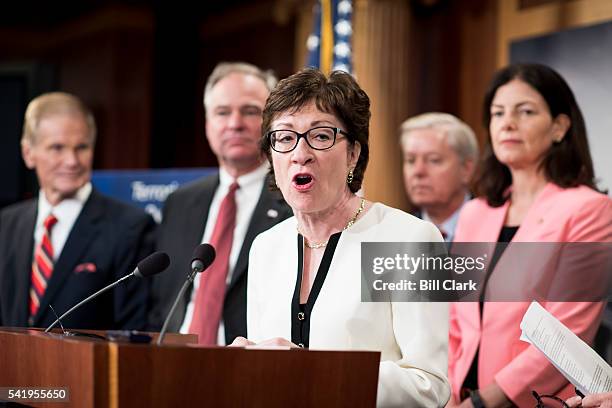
{"x":180,"y":295}
{"x":82,"y":302}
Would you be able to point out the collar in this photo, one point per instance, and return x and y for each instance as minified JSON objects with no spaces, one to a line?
{"x":79,"y":199}
{"x":225,"y":180}
{"x":448,"y":226}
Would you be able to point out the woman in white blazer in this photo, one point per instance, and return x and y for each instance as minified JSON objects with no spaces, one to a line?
{"x":304,"y":283}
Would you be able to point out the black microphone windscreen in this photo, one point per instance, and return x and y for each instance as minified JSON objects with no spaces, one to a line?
{"x":153,"y":264}
{"x":204,"y":253}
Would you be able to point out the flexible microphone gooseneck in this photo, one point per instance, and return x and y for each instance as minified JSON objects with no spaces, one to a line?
{"x":151,"y":265}
{"x":203,"y":256}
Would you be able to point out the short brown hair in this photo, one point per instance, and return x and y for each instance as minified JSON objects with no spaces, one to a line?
{"x":339,"y":94}
{"x":54,"y":103}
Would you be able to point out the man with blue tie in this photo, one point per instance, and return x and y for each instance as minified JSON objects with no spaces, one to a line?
{"x":439,"y":157}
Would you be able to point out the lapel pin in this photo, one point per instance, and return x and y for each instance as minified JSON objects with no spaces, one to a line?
{"x":272,"y":213}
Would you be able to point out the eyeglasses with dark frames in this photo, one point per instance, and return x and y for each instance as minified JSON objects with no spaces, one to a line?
{"x":548,"y":401}
{"x":318,"y":138}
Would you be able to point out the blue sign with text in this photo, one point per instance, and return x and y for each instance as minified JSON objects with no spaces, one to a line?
{"x":146,"y":189}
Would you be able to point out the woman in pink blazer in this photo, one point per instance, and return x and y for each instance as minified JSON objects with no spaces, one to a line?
{"x":536,"y":185}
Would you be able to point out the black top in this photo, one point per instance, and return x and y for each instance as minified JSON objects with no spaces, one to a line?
{"x":506,"y":234}
{"x":300,"y":313}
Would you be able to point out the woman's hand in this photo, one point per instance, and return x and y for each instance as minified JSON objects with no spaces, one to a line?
{"x":273,"y":342}
{"x":574,"y":401}
{"x":603,"y":400}
{"x":241,"y":342}
{"x":277,"y":342}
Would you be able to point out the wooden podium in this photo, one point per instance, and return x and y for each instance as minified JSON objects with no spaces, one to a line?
{"x":98,"y":373}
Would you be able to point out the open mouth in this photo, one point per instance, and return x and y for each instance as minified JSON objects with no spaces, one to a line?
{"x":302,"y":180}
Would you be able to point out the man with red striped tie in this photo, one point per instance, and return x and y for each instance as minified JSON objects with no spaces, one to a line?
{"x":70,"y":241}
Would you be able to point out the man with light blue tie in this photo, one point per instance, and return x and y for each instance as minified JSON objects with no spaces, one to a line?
{"x":439,"y":157}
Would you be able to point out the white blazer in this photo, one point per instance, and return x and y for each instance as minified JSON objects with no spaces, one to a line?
{"x":412,"y":337}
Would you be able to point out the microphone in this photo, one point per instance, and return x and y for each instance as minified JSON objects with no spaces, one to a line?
{"x":203,"y":257}
{"x":151,"y":265}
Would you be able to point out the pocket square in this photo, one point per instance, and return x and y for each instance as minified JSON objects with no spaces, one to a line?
{"x":85,"y":267}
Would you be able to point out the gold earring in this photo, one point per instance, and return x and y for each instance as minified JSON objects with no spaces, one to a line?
{"x":349,"y":178}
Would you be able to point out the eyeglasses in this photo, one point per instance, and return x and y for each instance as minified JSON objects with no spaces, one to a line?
{"x":318,"y":138}
{"x":549,"y":401}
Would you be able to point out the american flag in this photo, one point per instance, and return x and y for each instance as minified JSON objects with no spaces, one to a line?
{"x":329,"y":45}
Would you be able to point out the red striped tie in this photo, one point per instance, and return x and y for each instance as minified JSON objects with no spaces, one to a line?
{"x":42,"y":266}
{"x":208,"y":307}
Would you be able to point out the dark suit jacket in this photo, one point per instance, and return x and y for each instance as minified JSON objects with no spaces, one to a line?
{"x":108,"y":234}
{"x":182,"y":228}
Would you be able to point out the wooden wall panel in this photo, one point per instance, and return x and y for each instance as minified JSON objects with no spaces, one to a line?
{"x":477,"y":61}
{"x":382,"y":67}
{"x":437,"y":58}
{"x":516,"y":23}
{"x":105,"y":59}
{"x":262,"y":33}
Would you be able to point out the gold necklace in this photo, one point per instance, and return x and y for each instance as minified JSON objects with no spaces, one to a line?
{"x":349,"y":224}
{"x":315,"y":245}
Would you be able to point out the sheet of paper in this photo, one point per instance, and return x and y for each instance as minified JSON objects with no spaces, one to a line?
{"x":578,"y":362}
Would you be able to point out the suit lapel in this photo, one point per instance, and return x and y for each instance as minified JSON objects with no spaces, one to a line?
{"x":268,"y":212}
{"x":530,"y":227}
{"x":196,"y":212}
{"x":23,"y":261}
{"x":189,"y":215}
{"x":82,"y":233}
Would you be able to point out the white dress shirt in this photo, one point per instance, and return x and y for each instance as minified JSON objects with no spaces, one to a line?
{"x":66,"y":212}
{"x":247,"y":197}
{"x":411,"y":336}
{"x":449,"y":225}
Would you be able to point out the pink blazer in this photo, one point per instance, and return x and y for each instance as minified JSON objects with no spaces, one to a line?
{"x":558,"y":215}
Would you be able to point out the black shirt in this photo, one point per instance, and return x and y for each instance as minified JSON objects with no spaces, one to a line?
{"x":300,"y":312}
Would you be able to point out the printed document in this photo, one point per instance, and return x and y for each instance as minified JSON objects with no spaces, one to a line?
{"x":578,"y":362}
